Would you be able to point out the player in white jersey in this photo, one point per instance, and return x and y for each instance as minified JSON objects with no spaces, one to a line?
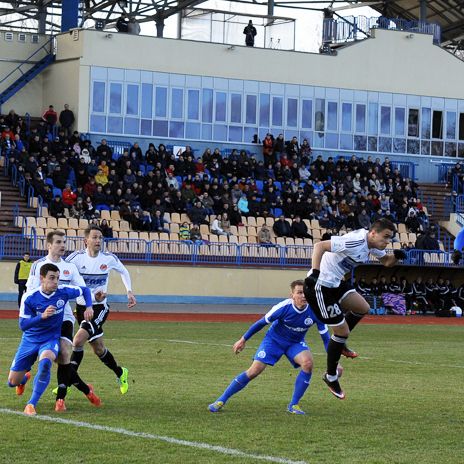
{"x":69,"y":275}
{"x":334,"y":301}
{"x":95,"y":266}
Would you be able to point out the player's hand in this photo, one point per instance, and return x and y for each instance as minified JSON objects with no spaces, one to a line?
{"x":49,"y":311}
{"x":311,"y":280}
{"x":400,"y":254}
{"x":239,"y":346}
{"x":88,"y":313}
{"x":131,"y":301}
{"x":100,"y":296}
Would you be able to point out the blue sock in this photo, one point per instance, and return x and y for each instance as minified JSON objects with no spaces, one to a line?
{"x":41,"y":380}
{"x":301,"y":385}
{"x":23,"y":382}
{"x":239,"y":383}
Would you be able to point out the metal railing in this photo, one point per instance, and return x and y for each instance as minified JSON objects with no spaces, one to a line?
{"x":13,"y":246}
{"x":459,"y":204}
{"x":350,"y":28}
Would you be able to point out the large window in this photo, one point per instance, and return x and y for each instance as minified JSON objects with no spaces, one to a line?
{"x":399,"y":121}
{"x":264,"y":109}
{"x":193,"y":105}
{"x":221,"y":107}
{"x":451,"y":125}
{"x":319,"y":115}
{"x":332,"y":114}
{"x":385,"y":121}
{"x":347,"y":116}
{"x":115,"y":98}
{"x":307,"y":114}
{"x":236,"y":108}
{"x":413,"y":123}
{"x":292,"y":112}
{"x":426,"y":126}
{"x":437,"y":125}
{"x":207,"y":108}
{"x":277,"y":109}
{"x":161,"y":102}
{"x":373,"y":119}
{"x":98,"y":97}
{"x":177,"y":104}
{"x":132,"y":103}
{"x":251,"y":105}
{"x":147,"y":101}
{"x":360,"y":121}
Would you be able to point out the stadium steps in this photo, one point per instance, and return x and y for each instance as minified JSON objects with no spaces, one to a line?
{"x":11,"y":198}
{"x":436,"y":197}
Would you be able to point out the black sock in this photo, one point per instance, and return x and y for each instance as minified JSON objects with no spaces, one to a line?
{"x":352,"y":319}
{"x":78,"y":382}
{"x":63,"y":374}
{"x":108,"y":360}
{"x":76,"y":358}
{"x":334,"y":351}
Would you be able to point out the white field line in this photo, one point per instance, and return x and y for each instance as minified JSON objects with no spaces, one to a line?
{"x":149,"y":436}
{"x":191,"y":342}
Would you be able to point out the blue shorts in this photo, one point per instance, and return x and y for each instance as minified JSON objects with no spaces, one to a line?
{"x":271,"y":350}
{"x":29,"y":351}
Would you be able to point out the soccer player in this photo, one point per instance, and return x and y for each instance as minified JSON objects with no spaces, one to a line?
{"x":95,"y":265}
{"x":291,"y":319}
{"x":41,"y":319}
{"x":56,"y":244}
{"x":334,"y":301}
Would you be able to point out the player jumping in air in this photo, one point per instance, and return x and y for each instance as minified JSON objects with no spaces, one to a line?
{"x":290,"y":320}
{"x":334,"y":301}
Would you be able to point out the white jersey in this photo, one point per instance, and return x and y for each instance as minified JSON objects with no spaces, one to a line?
{"x":346,"y":252}
{"x":96,"y":270}
{"x":69,"y":275}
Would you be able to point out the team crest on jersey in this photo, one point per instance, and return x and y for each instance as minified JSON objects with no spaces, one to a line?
{"x":308,"y":321}
{"x":66,"y":272}
{"x":60,"y":303}
{"x":262,"y":354}
{"x":103,"y":267}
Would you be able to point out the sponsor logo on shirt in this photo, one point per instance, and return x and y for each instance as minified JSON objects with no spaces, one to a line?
{"x":66,"y":272}
{"x":60,"y":303}
{"x":308,"y":321}
{"x":103,"y":267}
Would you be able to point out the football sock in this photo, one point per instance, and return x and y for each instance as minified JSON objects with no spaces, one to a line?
{"x":334,"y":351}
{"x":64,"y":378}
{"x":352,"y":319}
{"x":75,"y":380}
{"x":76,"y":358}
{"x":239,"y":383}
{"x":41,"y":380}
{"x":302,"y":382}
{"x":108,"y":360}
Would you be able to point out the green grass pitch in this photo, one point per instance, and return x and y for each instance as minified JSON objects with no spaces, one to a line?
{"x":404,"y":401}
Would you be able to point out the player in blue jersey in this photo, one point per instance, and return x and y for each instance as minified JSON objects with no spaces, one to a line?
{"x":40,"y":319}
{"x":290,"y":320}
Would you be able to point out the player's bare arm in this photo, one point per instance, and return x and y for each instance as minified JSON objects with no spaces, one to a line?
{"x":319,"y":249}
{"x":131,"y":301}
{"x":88,"y":313}
{"x":50,"y":311}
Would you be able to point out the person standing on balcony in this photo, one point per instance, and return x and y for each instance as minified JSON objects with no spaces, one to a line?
{"x":21,"y":274}
{"x":250,"y":33}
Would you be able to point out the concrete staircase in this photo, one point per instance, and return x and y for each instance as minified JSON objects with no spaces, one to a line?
{"x":11,"y":198}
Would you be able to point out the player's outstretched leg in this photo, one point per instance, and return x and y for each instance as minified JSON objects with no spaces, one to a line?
{"x":302,"y":382}
{"x":334,"y":351}
{"x":239,"y":383}
{"x":41,"y":381}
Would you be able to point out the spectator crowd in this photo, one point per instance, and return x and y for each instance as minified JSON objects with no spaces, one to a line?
{"x":68,"y":171}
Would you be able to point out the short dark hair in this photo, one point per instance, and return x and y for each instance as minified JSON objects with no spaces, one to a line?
{"x":296,"y":283}
{"x":90,"y":228}
{"x":52,"y":233}
{"x":382,"y":224}
{"x":48,"y":267}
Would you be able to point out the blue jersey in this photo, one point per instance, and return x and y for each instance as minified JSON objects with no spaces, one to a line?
{"x":290,"y":324}
{"x":34,"y":304}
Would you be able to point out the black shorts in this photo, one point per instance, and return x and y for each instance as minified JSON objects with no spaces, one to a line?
{"x":67,"y":331}
{"x":95,"y":326}
{"x":325,"y":302}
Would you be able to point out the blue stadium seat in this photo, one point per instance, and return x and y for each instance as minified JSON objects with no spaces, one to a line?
{"x":260,"y":185}
{"x":56,"y":191}
{"x":278,"y":185}
{"x":277,"y":212}
{"x":49,"y":181}
{"x":103,"y":207}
